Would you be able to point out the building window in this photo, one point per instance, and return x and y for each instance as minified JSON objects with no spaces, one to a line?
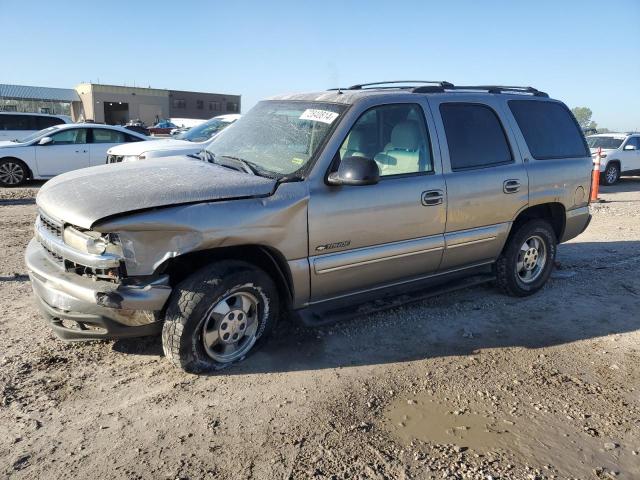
{"x":232,"y":107}
{"x":199,"y":104}
{"x":10,"y":108}
{"x":179,"y":103}
{"x":215,"y":106}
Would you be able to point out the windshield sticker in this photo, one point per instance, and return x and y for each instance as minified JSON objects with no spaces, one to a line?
{"x":297,"y":161}
{"x":315,"y":115}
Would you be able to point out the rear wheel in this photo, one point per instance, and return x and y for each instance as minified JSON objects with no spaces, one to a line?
{"x":13,"y":172}
{"x":611,"y":174}
{"x":527,"y":261}
{"x":219,"y":315}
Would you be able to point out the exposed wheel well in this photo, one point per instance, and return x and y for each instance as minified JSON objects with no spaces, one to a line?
{"x":554,"y":213}
{"x":28,"y":170}
{"x":268,"y":259}
{"x":617,"y":162}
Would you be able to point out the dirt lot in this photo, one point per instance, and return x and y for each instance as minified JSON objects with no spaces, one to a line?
{"x":469,"y":385}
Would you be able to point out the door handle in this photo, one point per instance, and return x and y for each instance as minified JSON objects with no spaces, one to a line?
{"x":511,"y":186}
{"x":432,"y":197}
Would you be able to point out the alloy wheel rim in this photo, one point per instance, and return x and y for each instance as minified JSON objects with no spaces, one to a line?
{"x":532,"y":259}
{"x":611,"y":174}
{"x":11,"y":173}
{"x":230,"y":327}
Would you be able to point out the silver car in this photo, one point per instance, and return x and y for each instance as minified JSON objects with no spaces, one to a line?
{"x":314,"y":204}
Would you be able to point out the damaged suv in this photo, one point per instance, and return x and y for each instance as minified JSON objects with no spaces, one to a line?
{"x":323,"y":205}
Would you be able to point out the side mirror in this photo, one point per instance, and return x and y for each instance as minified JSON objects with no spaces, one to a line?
{"x":355,"y":171}
{"x":630,"y":147}
{"x":45,"y":141}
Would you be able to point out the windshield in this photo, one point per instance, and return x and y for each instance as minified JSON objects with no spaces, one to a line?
{"x":204,"y":131}
{"x":279,"y":137}
{"x":604,"y":142}
{"x":40,"y":133}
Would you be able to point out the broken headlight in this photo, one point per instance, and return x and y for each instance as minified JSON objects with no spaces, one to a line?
{"x":92,"y":242}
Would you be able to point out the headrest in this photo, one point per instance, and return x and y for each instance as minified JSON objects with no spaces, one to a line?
{"x":356,"y":140}
{"x":406,"y":135}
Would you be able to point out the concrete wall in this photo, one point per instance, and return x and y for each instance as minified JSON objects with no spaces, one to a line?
{"x":185,"y":104}
{"x":144,"y":103}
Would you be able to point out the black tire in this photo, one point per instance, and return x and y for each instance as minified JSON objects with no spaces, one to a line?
{"x":509,"y":278}
{"x":611,"y":174}
{"x":13,"y":172}
{"x":191,"y":308}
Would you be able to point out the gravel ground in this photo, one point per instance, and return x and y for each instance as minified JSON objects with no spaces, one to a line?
{"x":473,"y":384}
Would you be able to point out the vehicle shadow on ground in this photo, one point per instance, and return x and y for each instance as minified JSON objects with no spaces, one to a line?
{"x":624,"y":184}
{"x":462,"y":322}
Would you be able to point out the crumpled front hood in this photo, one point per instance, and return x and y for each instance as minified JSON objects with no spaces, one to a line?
{"x":82,"y":197}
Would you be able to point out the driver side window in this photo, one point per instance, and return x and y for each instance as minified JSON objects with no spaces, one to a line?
{"x":395,"y":136}
{"x":70,"y":136}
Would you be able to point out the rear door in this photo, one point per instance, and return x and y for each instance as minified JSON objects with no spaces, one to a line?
{"x":363,"y":237}
{"x":101,"y":141}
{"x":68,"y":151}
{"x":487,"y":183}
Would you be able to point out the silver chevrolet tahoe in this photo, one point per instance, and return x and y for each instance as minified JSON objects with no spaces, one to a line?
{"x":320,"y":205}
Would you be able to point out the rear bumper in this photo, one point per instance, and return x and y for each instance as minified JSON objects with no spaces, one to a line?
{"x":79,"y":308}
{"x":577,"y":222}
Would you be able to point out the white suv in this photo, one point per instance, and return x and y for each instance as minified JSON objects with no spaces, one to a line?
{"x":620,"y":154}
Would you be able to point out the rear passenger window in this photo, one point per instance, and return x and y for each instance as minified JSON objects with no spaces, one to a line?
{"x":475,"y":136}
{"x":102,"y":135}
{"x":46,"y":122}
{"x":549,"y":129}
{"x":15,"y":122}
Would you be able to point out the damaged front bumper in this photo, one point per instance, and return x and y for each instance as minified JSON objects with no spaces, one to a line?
{"x":79,"y":308}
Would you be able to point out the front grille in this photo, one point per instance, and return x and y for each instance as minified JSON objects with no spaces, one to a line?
{"x":114,"y":158}
{"x":54,"y":256}
{"x":52,"y":226}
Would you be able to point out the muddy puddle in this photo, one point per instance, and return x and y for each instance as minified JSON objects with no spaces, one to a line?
{"x":537,"y":440}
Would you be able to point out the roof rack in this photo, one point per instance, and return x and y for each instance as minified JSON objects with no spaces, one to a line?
{"x":394,"y":83}
{"x":440,"y":86}
{"x":501,"y":89}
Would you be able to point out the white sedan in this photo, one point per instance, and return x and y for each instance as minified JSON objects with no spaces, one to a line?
{"x":59,"y":149}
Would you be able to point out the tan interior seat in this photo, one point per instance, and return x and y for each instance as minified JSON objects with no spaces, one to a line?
{"x":402,"y":153}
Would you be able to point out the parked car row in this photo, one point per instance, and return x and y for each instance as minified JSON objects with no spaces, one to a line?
{"x":65,"y":146}
{"x":188,"y":143}
{"x":59,"y":149}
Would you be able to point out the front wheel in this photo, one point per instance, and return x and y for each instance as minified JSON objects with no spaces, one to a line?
{"x":526,"y":263}
{"x":218,"y":316}
{"x":13,"y":173}
{"x":611,"y":174}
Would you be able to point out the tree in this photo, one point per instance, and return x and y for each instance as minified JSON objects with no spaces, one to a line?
{"x":583,"y":116}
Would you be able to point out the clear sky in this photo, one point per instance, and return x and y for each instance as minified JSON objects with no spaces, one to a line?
{"x":586,"y":53}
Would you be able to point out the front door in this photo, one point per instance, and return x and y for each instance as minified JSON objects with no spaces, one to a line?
{"x":630,"y":155}
{"x":487,"y":183}
{"x":363,"y":237}
{"x":68,"y":151}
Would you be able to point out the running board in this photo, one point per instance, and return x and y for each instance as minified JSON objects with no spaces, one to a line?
{"x":329,"y":312}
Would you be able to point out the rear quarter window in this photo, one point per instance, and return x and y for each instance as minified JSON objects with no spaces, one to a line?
{"x":549,"y":129}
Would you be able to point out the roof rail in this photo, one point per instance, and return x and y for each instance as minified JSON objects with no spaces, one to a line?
{"x":487,"y":88}
{"x":440,"y":86}
{"x":360,"y":86}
